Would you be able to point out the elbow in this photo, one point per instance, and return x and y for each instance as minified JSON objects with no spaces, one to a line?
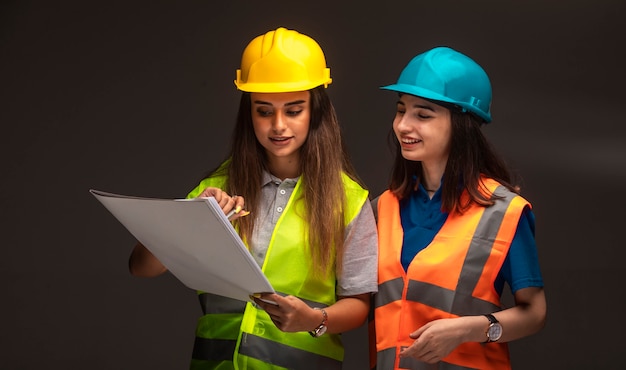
{"x":539,"y":318}
{"x":541,"y":321}
{"x":138,"y":270}
{"x":134,"y":271}
{"x":142,"y":263}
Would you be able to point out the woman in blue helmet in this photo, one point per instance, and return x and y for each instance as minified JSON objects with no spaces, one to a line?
{"x":453,"y":229}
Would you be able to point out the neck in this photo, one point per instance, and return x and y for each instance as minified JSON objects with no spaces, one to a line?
{"x":431,"y":176}
{"x":284,"y":168}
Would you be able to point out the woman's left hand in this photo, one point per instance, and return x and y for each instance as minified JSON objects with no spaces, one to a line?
{"x":289,"y":314}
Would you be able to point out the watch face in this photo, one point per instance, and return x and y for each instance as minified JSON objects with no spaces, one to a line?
{"x":321,"y":331}
{"x":495,"y":332}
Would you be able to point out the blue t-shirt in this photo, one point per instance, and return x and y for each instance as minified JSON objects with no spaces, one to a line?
{"x":422,"y":219}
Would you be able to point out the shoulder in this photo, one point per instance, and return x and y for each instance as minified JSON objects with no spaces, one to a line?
{"x":356,"y":196}
{"x":353,"y":189}
{"x":217,"y":179}
{"x":503,"y":193}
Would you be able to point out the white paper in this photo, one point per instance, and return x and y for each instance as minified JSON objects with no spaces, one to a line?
{"x":193,"y":239}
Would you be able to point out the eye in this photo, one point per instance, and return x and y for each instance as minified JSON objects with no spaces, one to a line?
{"x":293,"y":113}
{"x":423,"y":114}
{"x":264,"y":112}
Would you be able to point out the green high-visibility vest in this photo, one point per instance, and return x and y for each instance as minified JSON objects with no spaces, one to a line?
{"x":236,"y":335}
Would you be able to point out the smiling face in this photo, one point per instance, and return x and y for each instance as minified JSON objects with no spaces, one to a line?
{"x":281,"y":124}
{"x":423,"y":130}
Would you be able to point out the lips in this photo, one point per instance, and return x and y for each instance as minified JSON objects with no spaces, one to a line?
{"x":280,"y":140}
{"x":410,"y":141}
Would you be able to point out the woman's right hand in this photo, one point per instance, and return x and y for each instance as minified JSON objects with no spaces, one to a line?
{"x":227,"y":202}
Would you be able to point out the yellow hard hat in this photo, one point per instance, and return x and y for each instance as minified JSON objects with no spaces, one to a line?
{"x":282,"y":61}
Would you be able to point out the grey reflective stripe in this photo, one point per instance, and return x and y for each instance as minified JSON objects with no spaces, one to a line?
{"x":216,"y":304}
{"x":447,"y":300}
{"x":413,"y":364}
{"x":213,"y":349}
{"x":388,"y":292}
{"x":282,"y":355}
{"x":447,"y":366}
{"x":386,"y":359}
{"x":212,"y":303}
{"x":310,"y":303}
{"x":482,"y":241}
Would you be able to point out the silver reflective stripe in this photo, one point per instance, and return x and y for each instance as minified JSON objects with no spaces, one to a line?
{"x":482,"y":241}
{"x":212,"y":303}
{"x":388,"y":292}
{"x":216,"y":304}
{"x":413,"y":364}
{"x":282,"y":355}
{"x":387,"y":357}
{"x":447,"y":366}
{"x":310,"y":303}
{"x":447,"y":300}
{"x":213,"y":349}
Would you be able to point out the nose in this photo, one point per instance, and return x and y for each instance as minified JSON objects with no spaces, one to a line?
{"x":401,"y":123}
{"x":278,"y":123}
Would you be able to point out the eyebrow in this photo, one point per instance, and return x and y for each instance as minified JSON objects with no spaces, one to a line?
{"x":417,"y":105}
{"x":296,"y":102}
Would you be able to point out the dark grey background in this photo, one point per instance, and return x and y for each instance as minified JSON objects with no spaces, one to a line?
{"x":138,"y":98}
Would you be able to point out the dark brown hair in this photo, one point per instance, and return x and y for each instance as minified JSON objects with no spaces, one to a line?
{"x":471,"y":156}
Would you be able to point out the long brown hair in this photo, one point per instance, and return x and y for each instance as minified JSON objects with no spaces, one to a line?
{"x":471,"y":156}
{"x":323,"y":159}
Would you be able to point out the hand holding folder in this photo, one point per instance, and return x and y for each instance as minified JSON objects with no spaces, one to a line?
{"x":194,"y":240}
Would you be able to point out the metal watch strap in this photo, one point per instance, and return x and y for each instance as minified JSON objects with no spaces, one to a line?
{"x":321,"y":328}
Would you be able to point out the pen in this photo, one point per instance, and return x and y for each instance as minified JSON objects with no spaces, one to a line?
{"x":235,"y":211}
{"x":232,"y":212}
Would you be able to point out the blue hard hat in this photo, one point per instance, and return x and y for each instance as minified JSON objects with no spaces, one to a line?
{"x":445,"y":75}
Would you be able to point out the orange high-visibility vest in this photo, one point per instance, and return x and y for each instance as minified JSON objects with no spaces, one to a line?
{"x":452,"y":277}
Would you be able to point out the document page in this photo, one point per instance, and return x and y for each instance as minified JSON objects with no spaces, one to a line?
{"x":193,"y":239}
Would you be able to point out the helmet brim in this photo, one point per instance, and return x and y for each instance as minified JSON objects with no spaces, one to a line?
{"x":435,"y":97}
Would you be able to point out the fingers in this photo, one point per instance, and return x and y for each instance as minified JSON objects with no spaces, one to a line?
{"x":239,"y":202}
{"x":266,"y":301}
{"x":226,"y":202}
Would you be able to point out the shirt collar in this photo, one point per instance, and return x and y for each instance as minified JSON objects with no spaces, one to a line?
{"x":269,"y":178}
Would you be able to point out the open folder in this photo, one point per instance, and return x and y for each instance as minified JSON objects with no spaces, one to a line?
{"x":194,"y":240}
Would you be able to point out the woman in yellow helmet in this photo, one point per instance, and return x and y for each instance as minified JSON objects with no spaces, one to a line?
{"x":311,"y":227}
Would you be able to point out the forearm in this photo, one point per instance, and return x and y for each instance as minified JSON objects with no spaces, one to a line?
{"x":348,"y":313}
{"x":525,"y":318}
{"x":143,"y":263}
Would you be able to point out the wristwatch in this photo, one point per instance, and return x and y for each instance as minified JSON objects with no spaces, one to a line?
{"x":321,"y":329}
{"x":494,"y":330}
